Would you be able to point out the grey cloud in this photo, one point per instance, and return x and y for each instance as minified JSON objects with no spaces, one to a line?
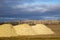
{"x":29,"y":8}
{"x":37,"y":7}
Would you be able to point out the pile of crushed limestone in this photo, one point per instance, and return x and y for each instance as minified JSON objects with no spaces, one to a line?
{"x":8,"y":30}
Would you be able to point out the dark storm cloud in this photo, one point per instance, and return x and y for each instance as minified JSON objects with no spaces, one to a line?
{"x":46,"y":9}
{"x":37,"y":7}
{"x":28,"y":6}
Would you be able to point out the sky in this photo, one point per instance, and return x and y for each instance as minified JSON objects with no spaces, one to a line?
{"x":45,"y":9}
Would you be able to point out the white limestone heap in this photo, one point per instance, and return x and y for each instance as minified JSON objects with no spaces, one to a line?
{"x":6,"y":30}
{"x":23,"y":29}
{"x":41,"y":29}
{"x":38,"y":29}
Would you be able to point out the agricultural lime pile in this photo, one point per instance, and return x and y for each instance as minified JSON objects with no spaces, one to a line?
{"x":23,"y":29}
{"x":38,"y":29}
{"x":41,"y":29}
{"x":7,"y":30}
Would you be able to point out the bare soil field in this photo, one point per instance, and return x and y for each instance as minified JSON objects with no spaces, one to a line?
{"x":55,"y":28}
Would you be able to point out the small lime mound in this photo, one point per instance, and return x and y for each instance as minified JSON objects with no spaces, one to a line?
{"x":6,"y":30}
{"x":41,"y":29}
{"x":23,"y":29}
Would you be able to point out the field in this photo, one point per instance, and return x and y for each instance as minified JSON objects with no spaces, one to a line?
{"x":54,"y":27}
